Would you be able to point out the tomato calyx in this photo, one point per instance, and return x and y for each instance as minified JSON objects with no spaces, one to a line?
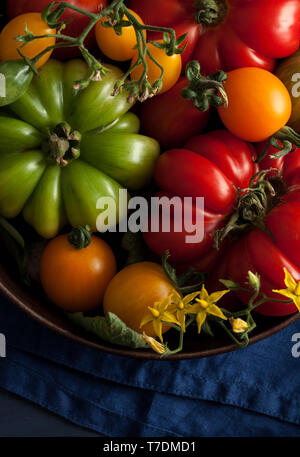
{"x":186,"y":283}
{"x":286,"y":140}
{"x":204,"y":91}
{"x":210,"y":12}
{"x":80,"y":237}
{"x":62,"y":144}
{"x":265,"y":192}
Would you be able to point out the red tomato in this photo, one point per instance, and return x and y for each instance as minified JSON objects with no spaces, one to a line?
{"x":162,"y":13}
{"x":212,"y":166}
{"x":250,"y":33}
{"x":258,"y":252}
{"x":171,"y":119}
{"x":78,"y":24}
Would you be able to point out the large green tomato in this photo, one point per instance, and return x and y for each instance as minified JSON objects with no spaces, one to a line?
{"x":60,"y":151}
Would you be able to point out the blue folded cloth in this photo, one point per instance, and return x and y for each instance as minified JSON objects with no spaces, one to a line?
{"x":249,"y":392}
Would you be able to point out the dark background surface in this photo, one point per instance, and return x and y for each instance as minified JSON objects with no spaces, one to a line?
{"x":21,"y":418}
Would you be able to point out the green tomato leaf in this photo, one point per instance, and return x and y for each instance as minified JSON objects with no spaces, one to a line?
{"x":207,"y":329}
{"x":110,"y":328}
{"x":16,"y":77}
{"x":15,"y":245}
{"x":135,"y":245}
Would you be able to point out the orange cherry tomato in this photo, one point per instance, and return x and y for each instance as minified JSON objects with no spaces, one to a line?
{"x":172,"y":66}
{"x":258,"y":104}
{"x":35,"y":24}
{"x":117,"y":47}
{"x":76,"y":279}
{"x":133,"y":289}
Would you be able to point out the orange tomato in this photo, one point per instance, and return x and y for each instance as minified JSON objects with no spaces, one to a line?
{"x":258,"y":104}
{"x":133,"y":289}
{"x":172,"y":66}
{"x":117,"y":47}
{"x":76,"y":279}
{"x":35,"y":24}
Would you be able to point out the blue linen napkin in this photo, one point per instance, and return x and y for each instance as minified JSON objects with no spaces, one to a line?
{"x":250,"y":392}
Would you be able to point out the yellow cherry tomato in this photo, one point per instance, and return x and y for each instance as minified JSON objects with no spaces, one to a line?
{"x":117,"y":47}
{"x":35,"y":24}
{"x":171,"y":64}
{"x":133,"y":289}
{"x":258,"y":104}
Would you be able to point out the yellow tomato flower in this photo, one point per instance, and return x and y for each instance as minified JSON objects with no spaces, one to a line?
{"x":159,"y":314}
{"x":205,"y":305}
{"x":293,"y":289}
{"x":154,"y":344}
{"x":181,"y":306}
{"x":238,"y":325}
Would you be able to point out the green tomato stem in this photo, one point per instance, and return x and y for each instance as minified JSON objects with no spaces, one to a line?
{"x":80,"y":237}
{"x":141,"y":89}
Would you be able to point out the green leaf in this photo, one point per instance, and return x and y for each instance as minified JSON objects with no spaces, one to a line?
{"x":170,"y":271}
{"x":52,"y":13}
{"x":135,"y":245}
{"x":207,"y":329}
{"x":231,"y":285}
{"x":15,"y":245}
{"x":110,"y":328}
{"x":181,"y":39}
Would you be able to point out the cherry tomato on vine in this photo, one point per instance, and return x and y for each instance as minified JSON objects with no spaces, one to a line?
{"x":213,"y":166}
{"x":34,"y":23}
{"x":133,"y":289}
{"x":75,"y":278}
{"x":258,"y":104}
{"x":117,"y":47}
{"x":78,"y":21}
{"x":193,"y":31}
{"x":172,"y":67}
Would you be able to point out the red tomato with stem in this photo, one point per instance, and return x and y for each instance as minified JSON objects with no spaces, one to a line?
{"x":74,"y":28}
{"x":212,"y":166}
{"x":239,"y":33}
{"x":171,"y":119}
{"x":163,"y":13}
{"x":267,"y":253}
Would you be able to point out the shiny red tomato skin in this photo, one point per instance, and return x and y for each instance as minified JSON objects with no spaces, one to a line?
{"x":163,"y":13}
{"x":78,"y":24}
{"x":202,"y":169}
{"x":170,"y":119}
{"x":258,"y":252}
{"x":251,"y":33}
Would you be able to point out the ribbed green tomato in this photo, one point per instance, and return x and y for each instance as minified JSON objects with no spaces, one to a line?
{"x":60,"y":151}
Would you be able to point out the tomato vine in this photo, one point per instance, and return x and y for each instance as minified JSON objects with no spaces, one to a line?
{"x":115,"y":14}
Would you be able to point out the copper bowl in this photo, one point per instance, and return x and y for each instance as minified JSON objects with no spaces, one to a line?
{"x":32,"y":301}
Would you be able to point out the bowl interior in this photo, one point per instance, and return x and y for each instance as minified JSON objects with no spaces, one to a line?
{"x":32,"y":301}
